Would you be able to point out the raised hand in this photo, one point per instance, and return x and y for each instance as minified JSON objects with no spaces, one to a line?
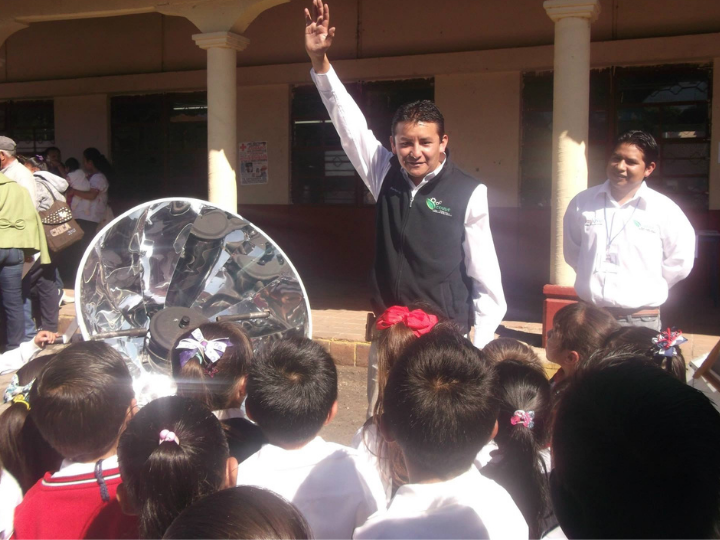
{"x":318,"y":35}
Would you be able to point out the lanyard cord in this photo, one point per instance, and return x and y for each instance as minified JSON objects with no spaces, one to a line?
{"x":608,"y":231}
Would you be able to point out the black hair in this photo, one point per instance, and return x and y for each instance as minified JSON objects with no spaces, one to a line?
{"x":419,"y":111}
{"x":215,"y":385}
{"x":24,"y":453}
{"x":72,"y":164}
{"x":37,"y":162}
{"x":644,"y":141}
{"x":523,"y":386}
{"x":639,"y":340}
{"x":501,"y":349}
{"x":439,"y":402}
{"x":50,"y":149}
{"x":240,"y":512}
{"x":635,"y":454}
{"x":81,"y":399}
{"x":162,"y":478}
{"x":291,"y":389}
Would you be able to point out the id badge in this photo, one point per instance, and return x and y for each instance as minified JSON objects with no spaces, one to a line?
{"x":610,"y":263}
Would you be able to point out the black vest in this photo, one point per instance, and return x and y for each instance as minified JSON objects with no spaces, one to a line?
{"x":418,"y":247}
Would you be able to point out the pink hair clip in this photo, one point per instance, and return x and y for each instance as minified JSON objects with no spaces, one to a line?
{"x":168,"y":436}
{"x":525,"y":418}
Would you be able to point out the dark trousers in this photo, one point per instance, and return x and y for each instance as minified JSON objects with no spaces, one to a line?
{"x":40,"y":282}
{"x":69,"y":259}
{"x":11,"y":265}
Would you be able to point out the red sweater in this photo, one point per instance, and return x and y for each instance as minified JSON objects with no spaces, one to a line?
{"x":72,"y":507}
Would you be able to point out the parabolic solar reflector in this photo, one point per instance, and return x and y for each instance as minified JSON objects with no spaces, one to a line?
{"x":168,"y":265}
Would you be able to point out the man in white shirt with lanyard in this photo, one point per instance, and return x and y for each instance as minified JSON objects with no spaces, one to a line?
{"x":628,"y":243}
{"x":433,"y":240}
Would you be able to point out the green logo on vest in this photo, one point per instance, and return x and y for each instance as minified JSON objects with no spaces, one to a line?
{"x":436,"y":206}
{"x":636,"y":222}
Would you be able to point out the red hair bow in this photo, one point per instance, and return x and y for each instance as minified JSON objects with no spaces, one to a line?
{"x":416,"y":320}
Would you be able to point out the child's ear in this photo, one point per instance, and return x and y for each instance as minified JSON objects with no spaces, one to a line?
{"x":231,"y":473}
{"x":332,"y":413}
{"x":495,"y":430}
{"x":248,"y":413}
{"x":385,"y":430}
{"x":239,"y":391}
{"x":124,"y":501}
{"x":572,"y":358}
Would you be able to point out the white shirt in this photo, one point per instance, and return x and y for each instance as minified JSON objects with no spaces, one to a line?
{"x":93,"y":210}
{"x":332,"y":487}
{"x":21,"y":174}
{"x":627,"y":255}
{"x":10,"y":496}
{"x":78,"y":180}
{"x":468,"y":506}
{"x":74,"y":468}
{"x":15,"y":359}
{"x":367,"y":444}
{"x":372,"y":162}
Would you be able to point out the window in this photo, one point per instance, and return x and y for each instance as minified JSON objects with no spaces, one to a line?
{"x":321,"y":172}
{"x":31,"y":124}
{"x":670,"y":102}
{"x":159,"y":144}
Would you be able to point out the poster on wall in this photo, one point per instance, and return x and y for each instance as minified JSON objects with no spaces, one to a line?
{"x":253,"y":160}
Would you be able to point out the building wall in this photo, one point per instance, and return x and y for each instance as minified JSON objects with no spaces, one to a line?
{"x":366,"y":29}
{"x":80,"y":122}
{"x":482,"y":119}
{"x":264,"y":115}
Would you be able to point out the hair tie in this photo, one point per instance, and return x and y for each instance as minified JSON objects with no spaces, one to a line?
{"x":39,"y":157}
{"x":14,"y":389}
{"x":525,"y":418}
{"x":207,"y":351}
{"x":416,"y":320}
{"x":168,"y":436}
{"x":20,"y":398}
{"x":667,"y":343}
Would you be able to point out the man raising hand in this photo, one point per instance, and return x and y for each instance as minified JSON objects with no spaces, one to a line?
{"x":433,"y":240}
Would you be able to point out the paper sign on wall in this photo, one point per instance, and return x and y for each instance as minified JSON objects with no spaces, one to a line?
{"x":253,"y":159}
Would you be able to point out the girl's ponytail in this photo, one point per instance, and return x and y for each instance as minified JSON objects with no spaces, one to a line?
{"x":523,"y":394}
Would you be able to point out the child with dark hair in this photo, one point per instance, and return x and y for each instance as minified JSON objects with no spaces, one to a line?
{"x":80,"y":403}
{"x":501,"y":349}
{"x":440,"y":408}
{"x":23,"y":451}
{"x":578,"y":331}
{"x":635,"y":453}
{"x":172,"y":453}
{"x":292,"y":394}
{"x":240,"y":512}
{"x":396,"y":328}
{"x":210,"y":363}
{"x":663,"y":348}
{"x":521,"y":464}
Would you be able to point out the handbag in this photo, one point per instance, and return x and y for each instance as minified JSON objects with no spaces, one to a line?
{"x":61,"y":229}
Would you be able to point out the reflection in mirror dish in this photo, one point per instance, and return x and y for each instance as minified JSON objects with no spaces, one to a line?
{"x":203,"y":262}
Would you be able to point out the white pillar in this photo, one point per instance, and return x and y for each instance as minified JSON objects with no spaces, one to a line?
{"x":571,"y":103}
{"x":222,"y":50}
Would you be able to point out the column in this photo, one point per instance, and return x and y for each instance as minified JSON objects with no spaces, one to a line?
{"x":571,"y":103}
{"x":222,"y":50}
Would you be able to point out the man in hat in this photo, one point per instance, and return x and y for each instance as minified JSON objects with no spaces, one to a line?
{"x":13,"y":169}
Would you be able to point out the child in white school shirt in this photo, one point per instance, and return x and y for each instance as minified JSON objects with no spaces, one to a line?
{"x":291,"y":395}
{"x":440,"y":409}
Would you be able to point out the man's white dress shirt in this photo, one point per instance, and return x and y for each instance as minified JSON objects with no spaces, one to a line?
{"x":21,"y":174}
{"x":329,"y":483}
{"x":468,"y":506}
{"x":627,"y":255}
{"x":372,"y":162}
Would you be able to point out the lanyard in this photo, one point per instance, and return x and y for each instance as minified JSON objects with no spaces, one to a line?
{"x":609,"y":231}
